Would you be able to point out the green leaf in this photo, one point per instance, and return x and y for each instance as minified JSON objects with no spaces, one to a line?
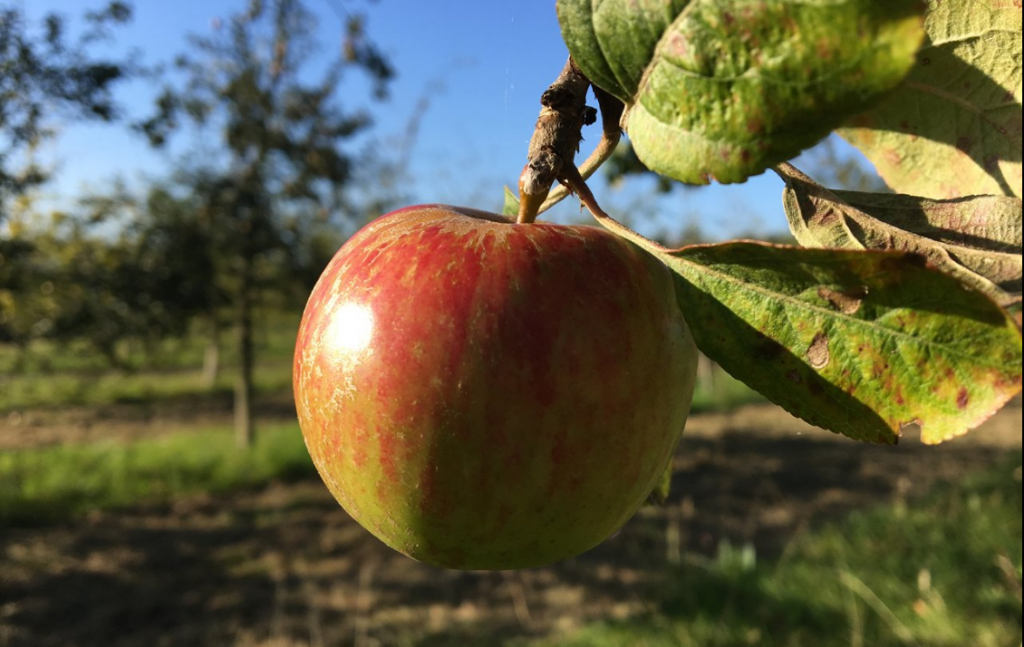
{"x":954,"y":127}
{"x":723,"y":89}
{"x":861,"y":343}
{"x":614,"y":41}
{"x":511,"y":205}
{"x":987,"y":256}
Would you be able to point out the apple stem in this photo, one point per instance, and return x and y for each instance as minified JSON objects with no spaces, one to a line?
{"x":578,"y":185}
{"x":529,"y":203}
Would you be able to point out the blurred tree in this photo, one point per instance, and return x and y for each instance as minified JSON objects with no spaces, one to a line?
{"x":43,"y":75}
{"x":178,"y":260}
{"x":282,"y":171}
{"x":116,"y":269}
{"x":836,"y":169}
{"x":27,"y":305}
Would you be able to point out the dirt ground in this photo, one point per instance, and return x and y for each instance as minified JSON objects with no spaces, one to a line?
{"x":284,"y":565}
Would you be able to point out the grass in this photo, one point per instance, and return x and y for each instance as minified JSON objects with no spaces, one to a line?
{"x":943,"y":572}
{"x":74,"y":374}
{"x":50,"y":484}
{"x":37,"y":390}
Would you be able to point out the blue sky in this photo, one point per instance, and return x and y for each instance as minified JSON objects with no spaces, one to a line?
{"x":483,"y":66}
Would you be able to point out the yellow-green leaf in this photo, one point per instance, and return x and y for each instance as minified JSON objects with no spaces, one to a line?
{"x":510,"y":207}
{"x":953,"y":128}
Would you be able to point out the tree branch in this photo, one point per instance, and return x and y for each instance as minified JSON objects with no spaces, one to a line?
{"x":611,"y":133}
{"x":556,"y":138}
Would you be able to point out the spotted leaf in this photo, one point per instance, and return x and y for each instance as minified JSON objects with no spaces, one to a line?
{"x":862,"y":343}
{"x":975,"y":239}
{"x":723,"y":89}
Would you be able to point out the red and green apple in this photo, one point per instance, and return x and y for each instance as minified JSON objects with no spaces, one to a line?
{"x":482,"y":394}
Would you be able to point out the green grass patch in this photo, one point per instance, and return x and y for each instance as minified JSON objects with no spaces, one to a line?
{"x":75,"y":374}
{"x":36,"y":391}
{"x":942,"y":572}
{"x":53,"y":483}
{"x":274,"y":339}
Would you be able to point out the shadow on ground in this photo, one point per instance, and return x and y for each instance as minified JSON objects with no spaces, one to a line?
{"x":286,"y":566}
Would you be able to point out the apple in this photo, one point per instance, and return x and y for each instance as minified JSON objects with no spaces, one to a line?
{"x":481,"y":394}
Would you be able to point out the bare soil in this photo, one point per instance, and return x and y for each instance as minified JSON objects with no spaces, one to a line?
{"x":284,"y":565}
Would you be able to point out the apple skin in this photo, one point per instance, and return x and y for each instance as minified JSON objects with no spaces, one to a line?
{"x":481,"y":394}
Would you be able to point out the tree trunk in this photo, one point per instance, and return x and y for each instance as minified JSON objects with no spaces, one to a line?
{"x":243,"y":385}
{"x":211,"y":358}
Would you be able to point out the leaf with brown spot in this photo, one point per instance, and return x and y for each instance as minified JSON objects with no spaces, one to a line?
{"x":976,"y":240}
{"x":720,"y":89}
{"x":917,"y":339}
{"x":847,"y":303}
{"x":817,"y":352}
{"x":953,"y":128}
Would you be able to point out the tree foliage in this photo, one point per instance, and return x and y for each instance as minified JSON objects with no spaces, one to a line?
{"x":279,"y":169}
{"x":46,"y":73}
{"x":67,"y":277}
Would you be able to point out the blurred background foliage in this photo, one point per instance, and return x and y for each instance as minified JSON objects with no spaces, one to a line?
{"x":247,"y":223}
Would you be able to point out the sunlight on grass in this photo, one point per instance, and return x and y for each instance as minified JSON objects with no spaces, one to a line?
{"x":70,"y":389}
{"x":944,"y":572}
{"x":74,"y":374}
{"x":53,"y":483}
